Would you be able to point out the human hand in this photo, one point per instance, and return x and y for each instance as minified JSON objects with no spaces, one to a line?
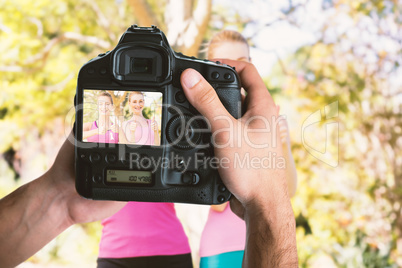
{"x":114,"y":128}
{"x":260,"y":193}
{"x":62,"y":177}
{"x":133,"y":126}
{"x":283,"y":129}
{"x":38,"y":211}
{"x":101,"y":129}
{"x":154,"y":125}
{"x":258,"y":138}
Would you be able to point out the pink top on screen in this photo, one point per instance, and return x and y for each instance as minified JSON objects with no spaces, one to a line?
{"x":144,"y":136}
{"x":108,"y":137}
{"x":143,"y":229}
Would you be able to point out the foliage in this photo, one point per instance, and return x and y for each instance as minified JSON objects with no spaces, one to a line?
{"x":349,"y":197}
{"x":354,"y":209}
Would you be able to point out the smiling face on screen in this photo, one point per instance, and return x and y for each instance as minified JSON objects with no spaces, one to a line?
{"x":104,"y":105}
{"x":136,"y":103}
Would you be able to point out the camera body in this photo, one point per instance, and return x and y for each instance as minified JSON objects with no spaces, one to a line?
{"x":129,"y":159}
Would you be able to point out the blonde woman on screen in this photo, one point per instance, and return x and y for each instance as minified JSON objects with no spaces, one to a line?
{"x":102,"y":130}
{"x":138,"y":129}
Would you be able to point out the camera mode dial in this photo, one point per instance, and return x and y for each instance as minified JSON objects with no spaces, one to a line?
{"x":184,"y":131}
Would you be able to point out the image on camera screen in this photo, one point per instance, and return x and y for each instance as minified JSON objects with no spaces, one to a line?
{"x":122,"y":117}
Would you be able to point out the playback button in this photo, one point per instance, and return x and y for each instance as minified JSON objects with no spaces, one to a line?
{"x":94,"y":157}
{"x":111,"y":158}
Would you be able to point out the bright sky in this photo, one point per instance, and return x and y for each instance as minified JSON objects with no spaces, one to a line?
{"x":281,"y":38}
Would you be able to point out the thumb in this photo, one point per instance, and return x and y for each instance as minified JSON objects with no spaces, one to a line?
{"x":203,"y":97}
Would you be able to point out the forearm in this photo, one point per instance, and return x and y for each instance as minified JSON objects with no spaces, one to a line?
{"x":271,"y":236}
{"x":31,"y":217}
{"x":132,"y":137}
{"x":156,"y":139}
{"x":122,"y":136}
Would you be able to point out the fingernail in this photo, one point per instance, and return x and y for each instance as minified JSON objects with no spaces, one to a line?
{"x":191,"y":78}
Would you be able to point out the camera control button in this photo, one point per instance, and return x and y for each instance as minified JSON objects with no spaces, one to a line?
{"x":221,"y":199}
{"x":91,"y":70}
{"x":95,"y":157}
{"x":184,"y":132}
{"x":97,"y":178}
{"x":227,"y":76}
{"x":179,"y":97}
{"x":111,"y":158}
{"x":215,"y":75}
{"x":190,"y":178}
{"x":221,"y":188}
{"x":102,"y":71}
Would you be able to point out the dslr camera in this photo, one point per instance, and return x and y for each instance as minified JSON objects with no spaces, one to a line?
{"x":137,"y":136}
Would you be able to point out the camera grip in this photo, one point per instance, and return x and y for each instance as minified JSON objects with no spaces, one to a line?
{"x":231,"y":100}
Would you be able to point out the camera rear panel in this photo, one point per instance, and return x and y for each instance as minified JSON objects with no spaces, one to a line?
{"x":173,"y":165}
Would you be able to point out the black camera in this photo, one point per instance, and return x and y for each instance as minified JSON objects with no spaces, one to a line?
{"x":137,"y":136}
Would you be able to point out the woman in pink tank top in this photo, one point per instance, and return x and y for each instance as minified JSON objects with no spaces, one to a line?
{"x":138,"y":129}
{"x":102,"y":130}
{"x":143,"y":234}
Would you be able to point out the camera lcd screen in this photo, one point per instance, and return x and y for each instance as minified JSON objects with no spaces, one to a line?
{"x":122,"y":117}
{"x":129,"y":176}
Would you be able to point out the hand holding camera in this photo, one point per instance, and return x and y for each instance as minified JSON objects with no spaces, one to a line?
{"x":177,"y":164}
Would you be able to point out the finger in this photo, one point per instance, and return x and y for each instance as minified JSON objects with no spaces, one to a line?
{"x":237,"y":207}
{"x":243,"y":95}
{"x":257,"y":93}
{"x":243,"y":99}
{"x":203,"y":97}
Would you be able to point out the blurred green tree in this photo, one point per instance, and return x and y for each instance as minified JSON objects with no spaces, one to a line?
{"x":348,"y":215}
{"x":354,"y":210}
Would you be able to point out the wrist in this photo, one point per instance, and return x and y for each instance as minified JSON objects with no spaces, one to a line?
{"x":35,"y":215}
{"x":271,"y":230}
{"x":56,"y":195}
